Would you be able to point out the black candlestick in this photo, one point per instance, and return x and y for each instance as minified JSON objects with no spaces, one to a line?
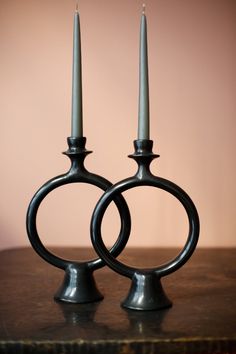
{"x":79,"y":285}
{"x":146,"y":292}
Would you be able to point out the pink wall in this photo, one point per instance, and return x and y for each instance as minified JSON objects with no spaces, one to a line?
{"x":192,"y":94}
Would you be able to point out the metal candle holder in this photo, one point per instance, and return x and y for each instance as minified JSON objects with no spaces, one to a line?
{"x":146,"y":291}
{"x":78,"y":285}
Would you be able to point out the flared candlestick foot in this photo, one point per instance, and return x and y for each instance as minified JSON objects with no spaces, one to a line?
{"x":78,"y":286}
{"x":146,"y":293}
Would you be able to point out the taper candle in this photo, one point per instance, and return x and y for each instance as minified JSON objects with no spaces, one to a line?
{"x":77,"y":109}
{"x":143,"y":120}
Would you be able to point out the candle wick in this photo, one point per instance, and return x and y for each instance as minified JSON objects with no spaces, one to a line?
{"x":77,"y":7}
{"x":144,"y":9}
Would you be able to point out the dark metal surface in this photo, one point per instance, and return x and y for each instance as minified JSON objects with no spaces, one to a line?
{"x":146,"y":292}
{"x":79,"y":285}
{"x":202,"y":320}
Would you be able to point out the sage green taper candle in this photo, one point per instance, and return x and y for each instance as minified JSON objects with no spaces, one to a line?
{"x":77,"y":109}
{"x":143,"y":120}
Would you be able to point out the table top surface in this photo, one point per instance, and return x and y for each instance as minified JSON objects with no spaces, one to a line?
{"x":202,"y":319}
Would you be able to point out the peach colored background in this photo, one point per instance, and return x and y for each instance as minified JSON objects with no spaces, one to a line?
{"x":192,"y":95}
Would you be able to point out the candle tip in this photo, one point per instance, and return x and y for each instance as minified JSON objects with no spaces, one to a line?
{"x":144,"y":9}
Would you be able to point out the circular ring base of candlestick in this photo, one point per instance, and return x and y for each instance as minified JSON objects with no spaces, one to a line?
{"x":78,"y":285}
{"x":146,"y":292}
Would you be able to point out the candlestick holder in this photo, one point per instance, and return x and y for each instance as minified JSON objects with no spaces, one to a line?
{"x":78,"y":285}
{"x":146,"y":291}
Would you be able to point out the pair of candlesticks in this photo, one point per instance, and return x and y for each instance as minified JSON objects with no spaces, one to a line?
{"x":79,"y":286}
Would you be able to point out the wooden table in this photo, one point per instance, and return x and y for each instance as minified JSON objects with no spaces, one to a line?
{"x":202,"y":319}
